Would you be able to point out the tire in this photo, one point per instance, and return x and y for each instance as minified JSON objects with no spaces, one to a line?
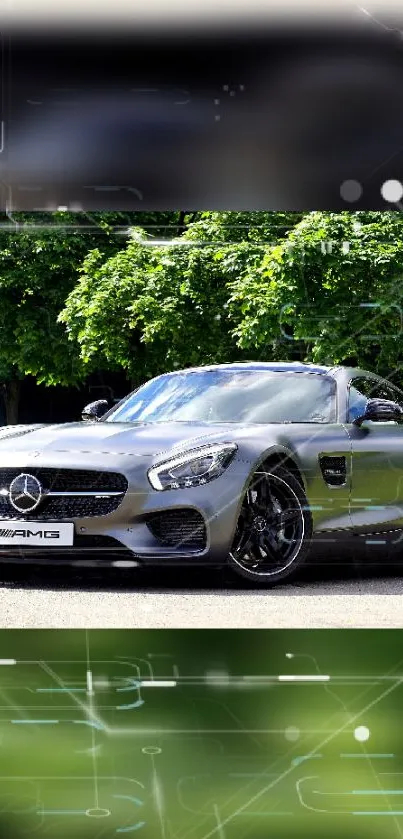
{"x":274,"y":529}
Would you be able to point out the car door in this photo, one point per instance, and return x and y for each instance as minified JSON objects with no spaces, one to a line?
{"x":377,"y":459}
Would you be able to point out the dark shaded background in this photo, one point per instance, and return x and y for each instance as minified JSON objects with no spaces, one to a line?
{"x":276,"y":116}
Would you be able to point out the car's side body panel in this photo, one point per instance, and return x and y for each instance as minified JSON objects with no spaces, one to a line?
{"x":311,"y":447}
{"x":377,"y":467}
{"x":377,"y":476}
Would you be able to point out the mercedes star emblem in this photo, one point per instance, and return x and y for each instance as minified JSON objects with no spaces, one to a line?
{"x":25,"y":493}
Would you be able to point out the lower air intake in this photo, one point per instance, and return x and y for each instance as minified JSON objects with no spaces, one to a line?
{"x":177,"y":528}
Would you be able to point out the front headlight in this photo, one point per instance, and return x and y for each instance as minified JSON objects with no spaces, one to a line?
{"x":192,"y":469}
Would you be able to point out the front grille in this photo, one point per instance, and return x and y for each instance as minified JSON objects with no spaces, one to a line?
{"x":52,"y":509}
{"x":66,"y":480}
{"x":69,"y":480}
{"x":174,"y":528}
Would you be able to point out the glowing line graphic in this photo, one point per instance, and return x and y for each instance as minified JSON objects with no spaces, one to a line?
{"x":35,"y":722}
{"x":91,"y":723}
{"x":377,"y":792}
{"x":131,"y":827}
{"x":134,"y":684}
{"x":297,"y":760}
{"x":218,"y":819}
{"x":89,"y":682}
{"x":61,"y":813}
{"x":364,"y":756}
{"x":376,"y":813}
{"x":60,"y":690}
{"x":303,"y":678}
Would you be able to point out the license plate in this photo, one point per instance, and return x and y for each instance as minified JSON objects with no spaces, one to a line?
{"x":36,"y":533}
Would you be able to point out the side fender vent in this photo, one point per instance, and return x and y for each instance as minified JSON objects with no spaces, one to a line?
{"x":334,"y":470}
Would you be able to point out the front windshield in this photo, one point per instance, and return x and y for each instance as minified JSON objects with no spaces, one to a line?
{"x":245,"y":396}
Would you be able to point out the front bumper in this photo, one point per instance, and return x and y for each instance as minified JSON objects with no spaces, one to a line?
{"x":131,"y":534}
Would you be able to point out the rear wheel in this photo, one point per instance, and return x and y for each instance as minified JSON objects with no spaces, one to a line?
{"x":274,"y":529}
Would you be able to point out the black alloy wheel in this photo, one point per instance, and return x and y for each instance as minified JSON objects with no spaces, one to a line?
{"x":274,"y":528}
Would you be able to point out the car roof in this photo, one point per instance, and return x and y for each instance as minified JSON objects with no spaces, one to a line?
{"x":275,"y":366}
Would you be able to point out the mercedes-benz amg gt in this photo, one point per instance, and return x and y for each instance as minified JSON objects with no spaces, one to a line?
{"x":241,"y":465}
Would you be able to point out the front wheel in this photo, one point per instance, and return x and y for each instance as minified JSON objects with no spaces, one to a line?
{"x":274,"y":529}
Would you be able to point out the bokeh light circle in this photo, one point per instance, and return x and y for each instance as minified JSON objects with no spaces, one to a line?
{"x":362,"y":733}
{"x":392,"y":191}
{"x":292,"y":733}
{"x":351,"y":191}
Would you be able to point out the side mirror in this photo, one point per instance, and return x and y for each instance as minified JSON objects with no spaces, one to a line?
{"x":95,"y":410}
{"x":380,"y":410}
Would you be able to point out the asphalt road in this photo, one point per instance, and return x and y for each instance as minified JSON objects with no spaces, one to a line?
{"x":33,"y":597}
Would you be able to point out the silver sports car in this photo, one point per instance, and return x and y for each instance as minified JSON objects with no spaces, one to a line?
{"x":243,"y":464}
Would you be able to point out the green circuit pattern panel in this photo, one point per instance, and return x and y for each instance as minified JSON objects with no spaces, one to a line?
{"x":199,"y":734}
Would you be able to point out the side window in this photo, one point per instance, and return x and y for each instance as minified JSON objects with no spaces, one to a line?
{"x":362,"y":389}
{"x":356,"y":403}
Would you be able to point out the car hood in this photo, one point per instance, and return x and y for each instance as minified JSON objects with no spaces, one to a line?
{"x":113,"y":437}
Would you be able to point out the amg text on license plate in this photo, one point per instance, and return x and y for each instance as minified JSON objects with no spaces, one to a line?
{"x":36,"y":533}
